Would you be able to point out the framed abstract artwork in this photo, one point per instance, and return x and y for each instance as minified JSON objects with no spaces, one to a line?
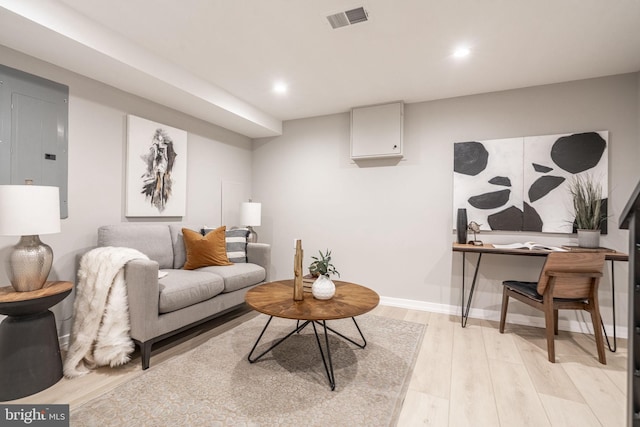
{"x":522,"y":184}
{"x":156,"y":181}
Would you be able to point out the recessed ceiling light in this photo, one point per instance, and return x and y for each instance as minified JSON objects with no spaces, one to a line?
{"x":280,"y":88}
{"x":461,"y":52}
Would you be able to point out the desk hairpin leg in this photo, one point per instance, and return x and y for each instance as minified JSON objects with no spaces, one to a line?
{"x":613,"y":308}
{"x":465,"y":312}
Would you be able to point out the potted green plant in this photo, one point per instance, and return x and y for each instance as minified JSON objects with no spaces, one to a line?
{"x":587,"y":204}
{"x":323,"y":287}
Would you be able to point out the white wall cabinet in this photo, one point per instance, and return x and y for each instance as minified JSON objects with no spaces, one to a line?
{"x":376,"y":131}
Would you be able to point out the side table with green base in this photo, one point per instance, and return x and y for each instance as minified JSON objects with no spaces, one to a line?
{"x":29,"y":351}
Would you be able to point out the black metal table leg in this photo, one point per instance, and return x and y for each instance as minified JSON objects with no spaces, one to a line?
{"x":326,"y":360}
{"x":613,"y":307}
{"x":364,"y":341}
{"x":297,"y":329}
{"x":328,"y":368}
{"x":465,"y":313}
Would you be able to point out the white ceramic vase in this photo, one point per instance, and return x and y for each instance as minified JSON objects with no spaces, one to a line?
{"x":323,"y":288}
{"x":588,"y":238}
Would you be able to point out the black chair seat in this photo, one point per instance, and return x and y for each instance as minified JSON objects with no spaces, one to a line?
{"x":525,"y":288}
{"x":529,"y":289}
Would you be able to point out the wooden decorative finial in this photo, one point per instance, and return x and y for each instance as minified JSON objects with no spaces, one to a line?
{"x":298,"y":294}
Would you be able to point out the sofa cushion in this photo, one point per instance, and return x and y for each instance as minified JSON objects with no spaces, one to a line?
{"x":236,"y":241}
{"x":153,"y":240}
{"x":182,"y":288}
{"x":238,"y":276}
{"x":203,"y":251}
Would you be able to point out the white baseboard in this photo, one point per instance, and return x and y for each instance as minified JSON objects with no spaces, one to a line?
{"x":519,"y":319}
{"x":476,"y":313}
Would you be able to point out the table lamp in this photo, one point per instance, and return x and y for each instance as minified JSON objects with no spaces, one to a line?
{"x":250,"y":214}
{"x":27,"y":211}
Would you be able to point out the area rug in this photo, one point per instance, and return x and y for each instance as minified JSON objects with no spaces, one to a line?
{"x":215,"y":385}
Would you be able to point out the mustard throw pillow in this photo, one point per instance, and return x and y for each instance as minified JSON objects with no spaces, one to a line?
{"x":203,"y":251}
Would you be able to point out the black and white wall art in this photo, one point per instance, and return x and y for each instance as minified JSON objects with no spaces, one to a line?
{"x":156,"y":169}
{"x":522,"y":184}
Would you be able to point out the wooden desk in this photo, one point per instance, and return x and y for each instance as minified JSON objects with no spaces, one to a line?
{"x":610,"y":255}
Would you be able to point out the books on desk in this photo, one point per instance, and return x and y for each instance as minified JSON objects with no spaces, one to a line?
{"x":581,"y":249}
{"x":531,"y":246}
{"x":307,"y":282}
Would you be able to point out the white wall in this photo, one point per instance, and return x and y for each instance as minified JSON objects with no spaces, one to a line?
{"x":390,"y":225}
{"x":97,"y":147}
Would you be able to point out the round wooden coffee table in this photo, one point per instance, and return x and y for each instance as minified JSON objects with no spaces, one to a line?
{"x":275,"y":299}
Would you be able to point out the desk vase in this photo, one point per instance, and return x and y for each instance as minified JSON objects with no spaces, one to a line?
{"x":461,"y":226}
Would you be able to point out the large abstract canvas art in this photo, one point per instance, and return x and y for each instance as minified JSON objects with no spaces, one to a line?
{"x":156,"y":169}
{"x":522,"y":184}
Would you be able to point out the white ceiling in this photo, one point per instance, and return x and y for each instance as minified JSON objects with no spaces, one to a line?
{"x":218,"y":60}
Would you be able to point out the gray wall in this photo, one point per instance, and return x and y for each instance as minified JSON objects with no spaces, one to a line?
{"x":390,"y":225}
{"x":97,"y":148}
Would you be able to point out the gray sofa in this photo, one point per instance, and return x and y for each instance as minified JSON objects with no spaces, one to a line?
{"x":161,"y":307}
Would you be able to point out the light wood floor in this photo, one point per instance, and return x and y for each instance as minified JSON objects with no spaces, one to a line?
{"x":463,"y":377}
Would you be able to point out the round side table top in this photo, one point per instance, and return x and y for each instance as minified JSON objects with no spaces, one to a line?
{"x":14,"y":303}
{"x":276,"y":299}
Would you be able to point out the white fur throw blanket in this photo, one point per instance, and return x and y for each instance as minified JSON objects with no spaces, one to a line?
{"x":100,"y":331}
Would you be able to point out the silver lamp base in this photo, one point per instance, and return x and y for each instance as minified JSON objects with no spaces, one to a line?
{"x":29,"y":264}
{"x":252,"y":237}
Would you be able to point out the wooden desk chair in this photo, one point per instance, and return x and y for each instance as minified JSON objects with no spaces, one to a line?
{"x":568,"y":281}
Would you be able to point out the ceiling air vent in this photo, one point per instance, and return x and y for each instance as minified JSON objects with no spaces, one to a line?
{"x":348,"y":17}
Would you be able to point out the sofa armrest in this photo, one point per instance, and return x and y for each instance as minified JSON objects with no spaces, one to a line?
{"x":143,"y":292}
{"x":260,"y":253}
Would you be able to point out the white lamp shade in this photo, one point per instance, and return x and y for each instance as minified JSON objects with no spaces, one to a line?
{"x":27,"y":210}
{"x":250,"y":213}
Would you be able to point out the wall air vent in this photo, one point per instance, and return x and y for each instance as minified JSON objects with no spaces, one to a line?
{"x":348,"y":17}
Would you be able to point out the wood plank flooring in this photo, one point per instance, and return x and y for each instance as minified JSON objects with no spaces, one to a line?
{"x":475,"y":376}
{"x":471,"y":376}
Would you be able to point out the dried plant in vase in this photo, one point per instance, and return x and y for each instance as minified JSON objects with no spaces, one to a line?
{"x":587,"y":204}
